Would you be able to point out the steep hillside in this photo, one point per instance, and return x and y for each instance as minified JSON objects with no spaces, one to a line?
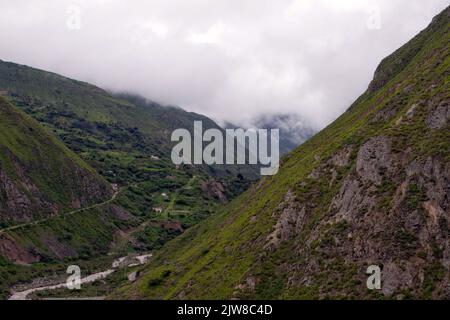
{"x":39,"y":176}
{"x":293,"y":129}
{"x":88,"y":118}
{"x":126,"y":139}
{"x":372,"y":188}
{"x":53,"y":205}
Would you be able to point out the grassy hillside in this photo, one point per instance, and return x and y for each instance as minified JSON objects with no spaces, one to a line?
{"x":371,"y":188}
{"x":39,"y":175}
{"x":41,"y":181}
{"x":88,"y":118}
{"x":126,"y":139}
{"x":56,"y":210}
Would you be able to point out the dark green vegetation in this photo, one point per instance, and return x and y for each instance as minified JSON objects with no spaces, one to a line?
{"x":30,"y":187}
{"x":124,"y":137}
{"x":66,"y":145}
{"x":41,"y":178}
{"x":119,"y":135}
{"x":371,"y":188}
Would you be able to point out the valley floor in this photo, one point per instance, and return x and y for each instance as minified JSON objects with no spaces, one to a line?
{"x":128,"y":264}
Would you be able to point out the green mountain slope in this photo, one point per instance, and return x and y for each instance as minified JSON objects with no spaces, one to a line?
{"x":39,"y":175}
{"x":370,"y":189}
{"x":52,"y":204}
{"x":126,"y":139}
{"x":88,"y":118}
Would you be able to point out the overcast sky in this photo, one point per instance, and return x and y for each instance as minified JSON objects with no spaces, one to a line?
{"x":229,"y":59}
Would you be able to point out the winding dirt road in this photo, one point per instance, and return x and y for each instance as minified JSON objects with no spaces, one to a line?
{"x":36,"y":222}
{"x":117,"y":264}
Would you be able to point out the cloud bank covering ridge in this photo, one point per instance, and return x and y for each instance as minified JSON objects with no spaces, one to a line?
{"x":231,"y":60}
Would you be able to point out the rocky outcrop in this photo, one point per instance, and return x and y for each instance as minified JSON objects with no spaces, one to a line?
{"x":13,"y":251}
{"x":290,"y":216}
{"x":370,"y":190}
{"x":21,"y":199}
{"x":39,"y":176}
{"x":439,"y":115}
{"x":391,"y":210}
{"x":374,"y":158}
{"x":383,"y":215}
{"x":168,"y":225}
{"x":214,"y":190}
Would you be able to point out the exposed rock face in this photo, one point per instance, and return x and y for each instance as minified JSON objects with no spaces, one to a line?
{"x":16,"y":204}
{"x":369,"y":190}
{"x":10,"y":249}
{"x":290,"y":217}
{"x":439,"y":115}
{"x":384,"y":115}
{"x":373,"y":159}
{"x":214,"y":190}
{"x":169,"y":225}
{"x":391,"y":210}
{"x":342,"y":158}
{"x":405,"y":237}
{"x":58,"y":249}
{"x":352,"y":199}
{"x":39,"y":177}
{"x":48,"y":244}
{"x":248,"y":286}
{"x":121,"y":213}
{"x":22,"y":200}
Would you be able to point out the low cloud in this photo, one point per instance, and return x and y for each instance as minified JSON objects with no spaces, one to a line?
{"x":231,"y":60}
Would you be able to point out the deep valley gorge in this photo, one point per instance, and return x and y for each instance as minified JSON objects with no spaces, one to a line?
{"x":87,"y":180}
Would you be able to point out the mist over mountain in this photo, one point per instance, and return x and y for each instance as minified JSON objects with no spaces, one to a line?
{"x":293,"y":129}
{"x":85,"y":173}
{"x":369,"y":191}
{"x":91,"y":181}
{"x":220,"y":59}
